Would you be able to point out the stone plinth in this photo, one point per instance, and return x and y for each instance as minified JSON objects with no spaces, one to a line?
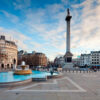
{"x":68,"y":65}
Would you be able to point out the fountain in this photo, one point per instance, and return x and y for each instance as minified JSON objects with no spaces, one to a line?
{"x":24,"y":70}
{"x":22,"y":75}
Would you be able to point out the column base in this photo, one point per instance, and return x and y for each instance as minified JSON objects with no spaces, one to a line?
{"x":68,"y":65}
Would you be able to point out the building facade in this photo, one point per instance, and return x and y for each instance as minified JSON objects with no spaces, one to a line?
{"x":8,"y":53}
{"x":76,"y":62}
{"x":33,"y":59}
{"x":95,"y":58}
{"x":85,"y":60}
{"x":59,"y":61}
{"x":92,"y":59}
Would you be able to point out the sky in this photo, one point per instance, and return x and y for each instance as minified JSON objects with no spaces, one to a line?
{"x":39,"y":25}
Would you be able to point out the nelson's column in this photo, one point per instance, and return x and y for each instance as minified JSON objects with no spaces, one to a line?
{"x":68,"y":55}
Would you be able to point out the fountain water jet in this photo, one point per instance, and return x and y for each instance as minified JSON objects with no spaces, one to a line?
{"x":23,"y":70}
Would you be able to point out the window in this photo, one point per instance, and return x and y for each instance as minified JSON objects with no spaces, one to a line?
{"x":97,"y":62}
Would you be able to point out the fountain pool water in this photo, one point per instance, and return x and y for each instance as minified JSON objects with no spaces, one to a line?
{"x":6,"y":77}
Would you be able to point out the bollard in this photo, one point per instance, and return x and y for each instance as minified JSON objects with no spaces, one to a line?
{"x":69,"y":70}
{"x":87,"y":71}
{"x":84,"y":71}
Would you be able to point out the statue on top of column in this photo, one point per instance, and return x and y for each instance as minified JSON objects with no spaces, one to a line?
{"x":68,"y":12}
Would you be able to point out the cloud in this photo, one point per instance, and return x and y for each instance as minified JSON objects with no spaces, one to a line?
{"x":37,"y":46}
{"x":64,"y":1}
{"x":23,"y":42}
{"x":21,"y":4}
{"x":48,"y":25}
{"x":56,"y":8}
{"x":87,"y":32}
{"x":10,"y":16}
{"x":53,"y":31}
{"x":16,"y":36}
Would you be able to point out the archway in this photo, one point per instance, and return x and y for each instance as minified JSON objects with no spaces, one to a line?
{"x":11,"y":65}
{"x":8,"y":66}
{"x":14,"y":61}
{"x":2,"y":66}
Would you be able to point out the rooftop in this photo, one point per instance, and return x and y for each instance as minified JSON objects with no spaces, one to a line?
{"x":7,"y":41}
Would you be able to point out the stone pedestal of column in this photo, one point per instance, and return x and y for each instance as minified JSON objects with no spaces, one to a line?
{"x":68,"y":65}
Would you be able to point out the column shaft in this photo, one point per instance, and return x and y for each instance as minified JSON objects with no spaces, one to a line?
{"x":68,"y":37}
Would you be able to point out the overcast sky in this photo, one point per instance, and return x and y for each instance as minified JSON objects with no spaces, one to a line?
{"x":39,"y":25}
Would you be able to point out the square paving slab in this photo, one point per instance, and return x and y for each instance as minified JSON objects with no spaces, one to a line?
{"x":73,"y":86}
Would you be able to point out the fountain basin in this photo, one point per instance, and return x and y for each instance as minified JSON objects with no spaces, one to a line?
{"x":10,"y":79}
{"x":10,"y":84}
{"x":23,"y":72}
